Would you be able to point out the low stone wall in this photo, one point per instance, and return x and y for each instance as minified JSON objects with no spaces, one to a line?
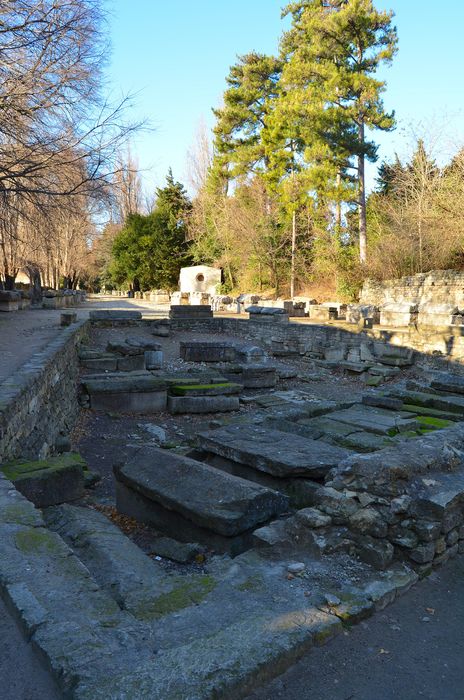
{"x":39,"y":402}
{"x":436,"y":346}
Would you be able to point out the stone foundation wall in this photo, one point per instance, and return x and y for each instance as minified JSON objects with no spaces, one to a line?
{"x":441,"y":348}
{"x":39,"y":402}
{"x":405,"y":502}
{"x":436,"y":287}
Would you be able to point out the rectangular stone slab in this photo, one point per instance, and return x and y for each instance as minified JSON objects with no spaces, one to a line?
{"x":200,"y":389}
{"x":199,"y":493}
{"x":450,"y":384}
{"x":202,"y":404}
{"x":374,"y":420}
{"x":114,"y":315}
{"x":272,"y":451}
{"x":197,"y":351}
{"x":442,"y":403}
{"x":116,"y":383}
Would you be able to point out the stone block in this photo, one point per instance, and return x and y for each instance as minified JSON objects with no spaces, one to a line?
{"x":207,"y":351}
{"x":50,"y":481}
{"x":398,"y":314}
{"x":9,"y":301}
{"x":271,"y":451}
{"x":323,"y":314}
{"x":137,"y":393}
{"x":216,"y":389}
{"x":378,"y":553}
{"x":188,"y":499}
{"x":258,"y":377}
{"x":183,"y":311}
{"x":67,"y":318}
{"x":202,"y":404}
{"x":130,"y":363}
{"x":153,"y":359}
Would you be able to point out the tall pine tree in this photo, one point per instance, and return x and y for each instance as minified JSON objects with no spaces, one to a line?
{"x":333,"y":49}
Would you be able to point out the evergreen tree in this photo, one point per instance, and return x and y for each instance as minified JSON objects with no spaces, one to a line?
{"x":150,"y":250}
{"x":334,"y":49}
{"x":238,"y":145}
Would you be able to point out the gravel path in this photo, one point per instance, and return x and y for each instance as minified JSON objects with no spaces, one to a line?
{"x":413,"y":650}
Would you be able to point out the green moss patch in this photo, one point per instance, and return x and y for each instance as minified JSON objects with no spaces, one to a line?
{"x":42,"y":468}
{"x":191,"y":592}
{"x":434,"y":423}
{"x":36,"y":541}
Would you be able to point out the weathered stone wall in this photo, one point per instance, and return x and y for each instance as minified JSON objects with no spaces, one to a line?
{"x":436,"y":346}
{"x":439,"y":287}
{"x":39,"y":402}
{"x":405,"y":502}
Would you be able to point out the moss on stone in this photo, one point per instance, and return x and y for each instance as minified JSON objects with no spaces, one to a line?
{"x":434,"y":423}
{"x":36,"y":541}
{"x":15,"y":471}
{"x":252,"y":583}
{"x":190,"y":592}
{"x":20,"y":513}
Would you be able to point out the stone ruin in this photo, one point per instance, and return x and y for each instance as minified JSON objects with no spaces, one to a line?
{"x":430,"y":299}
{"x":329,"y":508}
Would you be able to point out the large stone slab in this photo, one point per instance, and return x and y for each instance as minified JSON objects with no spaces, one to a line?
{"x":186,"y":498}
{"x":50,"y":481}
{"x":452,"y":384}
{"x":214,"y":389}
{"x":278,"y":453}
{"x":455,"y":404}
{"x":375,"y":420}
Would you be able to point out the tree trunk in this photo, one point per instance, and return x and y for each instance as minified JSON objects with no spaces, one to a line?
{"x":292,"y":273}
{"x":338,"y":209}
{"x":362,"y":201}
{"x":9,"y":282}
{"x":35,"y":287}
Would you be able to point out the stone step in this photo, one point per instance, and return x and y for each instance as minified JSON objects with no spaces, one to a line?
{"x":76,"y":627}
{"x":432,"y":412}
{"x":272,"y":451}
{"x":202,"y":404}
{"x":449,"y":384}
{"x":345,"y":435}
{"x":189,"y":500}
{"x":138,"y":583}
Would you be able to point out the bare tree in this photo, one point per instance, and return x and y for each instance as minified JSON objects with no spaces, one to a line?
{"x":60,"y":137}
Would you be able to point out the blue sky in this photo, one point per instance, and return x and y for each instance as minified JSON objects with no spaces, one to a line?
{"x":176,"y":55}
